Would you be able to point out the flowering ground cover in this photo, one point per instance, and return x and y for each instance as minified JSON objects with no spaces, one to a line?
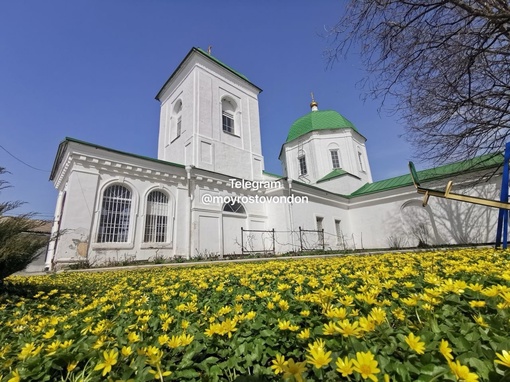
{"x":430,"y":316}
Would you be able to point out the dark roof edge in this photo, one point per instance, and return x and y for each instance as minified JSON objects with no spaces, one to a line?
{"x":201,"y":52}
{"x":271,"y":174}
{"x":63,"y":146}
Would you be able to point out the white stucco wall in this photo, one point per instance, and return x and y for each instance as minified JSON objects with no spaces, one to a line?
{"x":397,"y":216}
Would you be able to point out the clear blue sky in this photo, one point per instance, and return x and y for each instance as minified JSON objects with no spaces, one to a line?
{"x":91,"y":69}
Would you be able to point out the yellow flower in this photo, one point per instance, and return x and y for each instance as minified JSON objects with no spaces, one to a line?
{"x":284,"y":305}
{"x":186,"y":339}
{"x":329,"y":329}
{"x":339,"y":313}
{"x":50,"y":333}
{"x":345,"y":366}
{"x":283,"y":324}
{"x":251,"y":315}
{"x":304,"y":334}
{"x":163,"y":339}
{"x":347,"y":329}
{"x":154,"y":354}
{"x":477,"y":304}
{"x":126,"y":351}
{"x":504,"y":358}
{"x":66,"y":344}
{"x":158,"y":374}
{"x":228,"y":327}
{"x":462,"y":372}
{"x":53,"y":347}
{"x":99,"y":343}
{"x":445,"y":350}
{"x":133,"y":337}
{"x":399,"y":314}
{"x":305,"y":313}
{"x":15,"y":377}
{"x":318,"y":344}
{"x":270,"y":305}
{"x":415,"y":343}
{"x":110,"y":359}
{"x":29,"y":350}
{"x":366,"y":365}
{"x":318,"y":357}
{"x":278,"y":364}
{"x":294,"y":369}
{"x":378,"y":315}
{"x":174,"y":342}
{"x":480,"y":321}
{"x":366,"y":325}
{"x":71,"y":366}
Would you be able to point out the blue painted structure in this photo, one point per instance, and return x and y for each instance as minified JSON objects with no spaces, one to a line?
{"x":503,"y":213}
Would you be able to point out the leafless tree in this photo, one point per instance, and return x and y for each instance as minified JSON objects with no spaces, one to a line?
{"x":446,"y":63}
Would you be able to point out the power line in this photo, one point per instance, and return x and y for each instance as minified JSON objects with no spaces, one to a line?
{"x":19,"y":160}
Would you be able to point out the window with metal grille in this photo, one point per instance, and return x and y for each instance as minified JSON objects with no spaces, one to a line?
{"x":115,"y":215}
{"x":302,"y":166}
{"x":228,"y":123}
{"x":335,"y":159}
{"x":235,"y":207}
{"x":156,"y":218}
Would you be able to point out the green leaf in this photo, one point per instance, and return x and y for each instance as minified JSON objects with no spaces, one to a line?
{"x":188,"y":373}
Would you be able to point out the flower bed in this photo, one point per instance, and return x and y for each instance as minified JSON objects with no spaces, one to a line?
{"x":430,"y":316}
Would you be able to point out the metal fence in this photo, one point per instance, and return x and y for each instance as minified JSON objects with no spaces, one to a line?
{"x":250,"y":244}
{"x":310,"y":239}
{"x":264,"y":241}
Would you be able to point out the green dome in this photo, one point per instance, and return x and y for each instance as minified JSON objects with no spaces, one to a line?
{"x":318,"y":120}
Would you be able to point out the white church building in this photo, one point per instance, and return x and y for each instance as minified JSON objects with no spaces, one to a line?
{"x":207,"y":193}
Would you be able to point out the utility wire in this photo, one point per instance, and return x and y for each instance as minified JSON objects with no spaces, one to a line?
{"x":19,"y":160}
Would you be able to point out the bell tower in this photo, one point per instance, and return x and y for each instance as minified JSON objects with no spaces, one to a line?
{"x":210,"y":118}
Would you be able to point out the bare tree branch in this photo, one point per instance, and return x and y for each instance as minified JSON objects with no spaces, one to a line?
{"x":446,"y":62}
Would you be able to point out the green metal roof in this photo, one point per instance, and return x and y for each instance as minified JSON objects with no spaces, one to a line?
{"x":337,"y":172}
{"x":207,"y":55}
{"x":222,"y":64}
{"x":272,"y":174}
{"x":318,"y":120}
{"x":470,"y":165}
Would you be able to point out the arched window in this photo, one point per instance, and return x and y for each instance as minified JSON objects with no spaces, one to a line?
{"x":115,"y":215}
{"x":178,"y":118}
{"x":156,"y":218}
{"x":235,"y":207}
{"x":228,"y":113}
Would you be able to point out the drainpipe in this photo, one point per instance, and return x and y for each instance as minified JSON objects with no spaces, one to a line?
{"x":55,"y":230}
{"x":190,"y":201}
{"x":291,"y":217}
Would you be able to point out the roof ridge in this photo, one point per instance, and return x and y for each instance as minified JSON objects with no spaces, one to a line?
{"x":481,"y":162}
